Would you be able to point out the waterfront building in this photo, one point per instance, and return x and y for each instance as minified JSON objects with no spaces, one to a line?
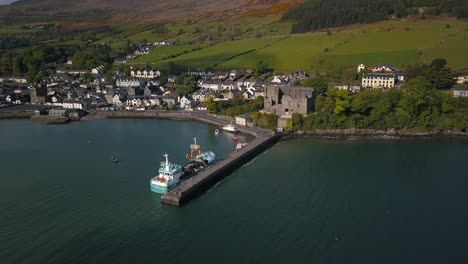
{"x":71,"y":103}
{"x":243,"y":120}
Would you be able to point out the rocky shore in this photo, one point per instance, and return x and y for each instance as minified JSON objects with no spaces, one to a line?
{"x":378,"y":134}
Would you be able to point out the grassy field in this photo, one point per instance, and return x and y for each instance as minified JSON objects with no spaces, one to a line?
{"x":396,"y":42}
{"x":453,"y":48}
{"x":241,"y":43}
{"x":216,"y":54}
{"x":165,"y":52}
{"x":298,"y":52}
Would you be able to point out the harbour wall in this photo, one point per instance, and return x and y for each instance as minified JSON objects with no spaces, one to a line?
{"x":186,"y":116}
{"x":205,"y":179}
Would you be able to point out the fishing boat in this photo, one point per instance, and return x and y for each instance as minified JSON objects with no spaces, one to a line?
{"x":230,"y":128}
{"x":234,"y":138}
{"x":198,"y":160}
{"x":168,"y":178}
{"x":115,"y":159}
{"x":216,"y":132}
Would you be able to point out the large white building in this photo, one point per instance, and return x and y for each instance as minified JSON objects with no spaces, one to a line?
{"x":379,"y":80}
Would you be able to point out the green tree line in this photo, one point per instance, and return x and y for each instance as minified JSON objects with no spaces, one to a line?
{"x":320,"y":14}
{"x":418,"y":105}
{"x":234,"y":107}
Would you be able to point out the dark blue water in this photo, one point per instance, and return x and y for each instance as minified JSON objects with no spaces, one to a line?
{"x":303,"y":201}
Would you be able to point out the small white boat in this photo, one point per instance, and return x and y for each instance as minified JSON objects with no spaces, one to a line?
{"x":216,"y":131}
{"x":230,"y":128}
{"x":240,"y":146}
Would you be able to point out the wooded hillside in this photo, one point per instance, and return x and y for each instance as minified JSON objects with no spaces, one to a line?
{"x":320,"y":14}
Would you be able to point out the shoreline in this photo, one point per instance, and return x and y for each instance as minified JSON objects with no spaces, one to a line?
{"x":351,"y":134}
{"x":215,"y":120}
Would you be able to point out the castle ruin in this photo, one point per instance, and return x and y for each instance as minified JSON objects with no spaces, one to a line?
{"x":287,"y":100}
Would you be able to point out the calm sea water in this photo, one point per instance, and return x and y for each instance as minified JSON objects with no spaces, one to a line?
{"x":304,"y":201}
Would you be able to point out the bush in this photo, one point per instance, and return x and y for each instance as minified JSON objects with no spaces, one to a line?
{"x":266,"y":121}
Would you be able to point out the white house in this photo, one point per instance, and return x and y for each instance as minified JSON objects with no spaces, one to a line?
{"x":461,"y":79}
{"x":201,"y":95}
{"x":383,"y":68}
{"x":460,"y":93}
{"x":173,"y":78}
{"x":233,"y":74}
{"x":221,"y":75}
{"x":361,"y":67}
{"x":278,"y":79}
{"x":129,"y":82}
{"x":228,"y":85}
{"x":142,"y":51}
{"x":250,"y":83}
{"x":200,"y":73}
{"x":98,"y":70}
{"x":151,"y":74}
{"x":211,"y":85}
{"x":71,"y":71}
{"x":243,"y":120}
{"x":162,"y":43}
{"x":379,"y":80}
{"x":348,"y":87}
{"x":187,"y":102}
{"x":74,"y":104}
{"x":253,"y":92}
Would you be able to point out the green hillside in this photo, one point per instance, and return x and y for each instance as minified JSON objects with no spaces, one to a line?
{"x":397,"y":42}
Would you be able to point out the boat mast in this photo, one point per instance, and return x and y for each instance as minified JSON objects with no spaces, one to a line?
{"x":167,"y":161}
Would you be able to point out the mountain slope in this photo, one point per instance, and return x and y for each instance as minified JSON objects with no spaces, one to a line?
{"x":135,"y":10}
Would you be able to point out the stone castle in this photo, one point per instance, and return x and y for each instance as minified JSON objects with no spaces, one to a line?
{"x":287,"y":100}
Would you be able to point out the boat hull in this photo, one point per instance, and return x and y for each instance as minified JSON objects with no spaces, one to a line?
{"x":162,"y":189}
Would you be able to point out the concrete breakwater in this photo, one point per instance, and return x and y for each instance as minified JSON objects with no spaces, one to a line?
{"x":194,"y":186}
{"x":206,"y":178}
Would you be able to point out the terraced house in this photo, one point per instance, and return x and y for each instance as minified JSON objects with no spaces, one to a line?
{"x":151,"y":74}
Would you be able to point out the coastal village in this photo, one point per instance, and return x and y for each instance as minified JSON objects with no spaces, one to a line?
{"x":68,"y":93}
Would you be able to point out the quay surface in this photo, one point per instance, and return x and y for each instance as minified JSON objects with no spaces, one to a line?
{"x":206,"y":178}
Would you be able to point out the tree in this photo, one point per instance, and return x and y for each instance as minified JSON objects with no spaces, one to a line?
{"x":175,"y":69}
{"x":211,"y":106}
{"x":438,"y":63}
{"x":261,"y":68}
{"x":319,"y":84}
{"x":297,"y":120}
{"x":170,"y":106}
